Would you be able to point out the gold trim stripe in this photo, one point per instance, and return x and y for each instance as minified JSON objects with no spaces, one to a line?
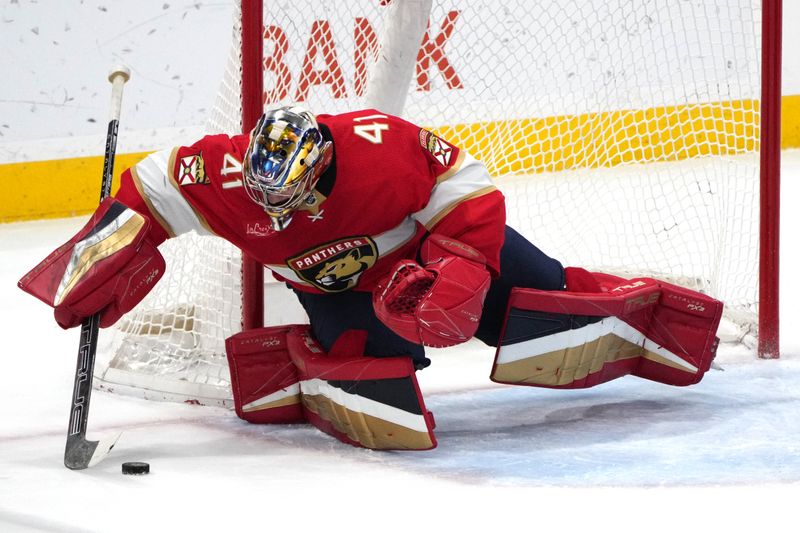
{"x":369,"y":431}
{"x":83,"y":259}
{"x":565,"y":366}
{"x":283,"y":402}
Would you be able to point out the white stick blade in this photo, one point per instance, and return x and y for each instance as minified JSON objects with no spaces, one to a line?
{"x":104,"y":447}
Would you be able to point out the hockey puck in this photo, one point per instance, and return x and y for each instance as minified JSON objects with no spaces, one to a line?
{"x":135,"y":468}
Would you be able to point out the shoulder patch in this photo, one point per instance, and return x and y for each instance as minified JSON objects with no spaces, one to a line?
{"x":440,"y":149}
{"x":191,"y":171}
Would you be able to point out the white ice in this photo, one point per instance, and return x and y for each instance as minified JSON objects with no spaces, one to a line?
{"x":723,"y":455}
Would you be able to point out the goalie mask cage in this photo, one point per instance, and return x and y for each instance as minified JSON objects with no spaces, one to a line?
{"x":628,"y":137}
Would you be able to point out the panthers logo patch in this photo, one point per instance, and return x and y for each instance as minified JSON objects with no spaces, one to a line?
{"x":336,"y":266}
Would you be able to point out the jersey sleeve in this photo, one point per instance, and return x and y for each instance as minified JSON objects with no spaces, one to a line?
{"x":130,"y":195}
{"x":464,"y":203}
{"x":152,"y":187}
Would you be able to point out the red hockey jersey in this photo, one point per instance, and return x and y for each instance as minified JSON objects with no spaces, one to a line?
{"x":389,"y":184}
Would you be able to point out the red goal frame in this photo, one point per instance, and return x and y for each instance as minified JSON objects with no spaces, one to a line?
{"x":770,"y":190}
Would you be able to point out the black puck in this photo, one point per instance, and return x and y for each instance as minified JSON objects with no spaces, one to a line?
{"x":135,"y":468}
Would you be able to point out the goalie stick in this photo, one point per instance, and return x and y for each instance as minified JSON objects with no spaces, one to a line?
{"x":81,"y":453}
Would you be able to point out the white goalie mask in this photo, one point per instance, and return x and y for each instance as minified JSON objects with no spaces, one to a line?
{"x":285,"y":158}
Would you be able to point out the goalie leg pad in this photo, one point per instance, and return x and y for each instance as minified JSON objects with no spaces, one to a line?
{"x":368,"y":402}
{"x":264,"y":380}
{"x":282,"y":375}
{"x":643,"y":327}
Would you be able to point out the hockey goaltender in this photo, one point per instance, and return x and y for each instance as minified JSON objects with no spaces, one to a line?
{"x":392,"y":239}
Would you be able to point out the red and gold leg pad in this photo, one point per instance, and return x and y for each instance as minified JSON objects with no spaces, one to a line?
{"x":644,"y":327}
{"x":282,"y":375}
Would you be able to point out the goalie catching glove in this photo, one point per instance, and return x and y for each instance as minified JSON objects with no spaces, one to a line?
{"x":108,"y":267}
{"x":438,"y":304}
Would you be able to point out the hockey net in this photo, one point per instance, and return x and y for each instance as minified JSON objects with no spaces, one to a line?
{"x":624,"y":135}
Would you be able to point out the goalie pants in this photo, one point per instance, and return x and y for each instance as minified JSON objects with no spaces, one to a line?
{"x":521,"y":265}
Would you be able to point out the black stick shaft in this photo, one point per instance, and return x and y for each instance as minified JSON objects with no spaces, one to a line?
{"x":79,"y":452}
{"x":108,"y":162}
{"x":87,"y":347}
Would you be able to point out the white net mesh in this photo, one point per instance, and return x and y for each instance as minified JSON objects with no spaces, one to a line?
{"x":623,"y":134}
{"x":172,"y":345}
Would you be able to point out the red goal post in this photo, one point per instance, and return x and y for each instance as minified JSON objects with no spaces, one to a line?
{"x":770,"y":189}
{"x":252,"y":107}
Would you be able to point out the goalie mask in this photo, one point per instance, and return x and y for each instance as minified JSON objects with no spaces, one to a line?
{"x":285,"y":158}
